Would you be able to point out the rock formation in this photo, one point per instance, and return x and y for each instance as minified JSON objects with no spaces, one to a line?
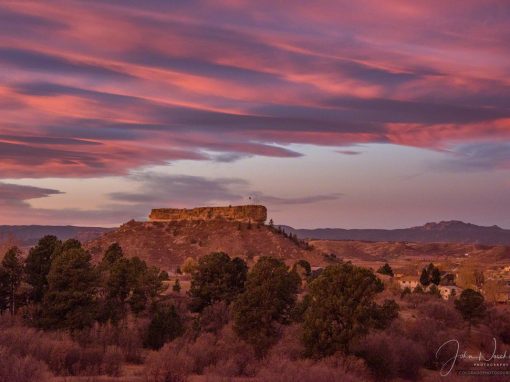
{"x":244,"y":214}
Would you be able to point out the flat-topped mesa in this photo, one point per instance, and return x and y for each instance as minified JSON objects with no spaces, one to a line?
{"x":245,"y":214}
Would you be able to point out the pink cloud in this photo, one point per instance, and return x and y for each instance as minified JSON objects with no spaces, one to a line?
{"x":124,"y":85}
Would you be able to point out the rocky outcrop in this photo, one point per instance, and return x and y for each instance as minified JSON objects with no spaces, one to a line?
{"x":244,"y":214}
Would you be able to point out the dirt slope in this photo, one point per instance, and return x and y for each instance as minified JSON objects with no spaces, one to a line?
{"x":168,"y":244}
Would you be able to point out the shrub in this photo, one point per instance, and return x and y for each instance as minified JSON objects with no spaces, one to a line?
{"x":285,"y":370}
{"x":290,"y":345}
{"x":222,"y":355}
{"x":497,"y":320}
{"x":62,"y":355}
{"x":237,"y":357}
{"x":112,"y":361}
{"x":163,"y":367}
{"x":431,"y":334}
{"x":441,"y":311}
{"x":214,"y":317}
{"x":165,"y":326}
{"x":389,"y":356}
{"x":15,"y":368}
{"x":127,"y":337}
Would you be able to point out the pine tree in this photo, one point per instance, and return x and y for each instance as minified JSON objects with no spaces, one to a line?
{"x":385,"y":270}
{"x":216,"y":278}
{"x":177,"y":286}
{"x":112,"y":254}
{"x":342,"y":309}
{"x":471,"y":306}
{"x":12,"y":266}
{"x":38,"y":263}
{"x":435,"y":276}
{"x":70,"y":300}
{"x":424,"y":278}
{"x":266,"y":303}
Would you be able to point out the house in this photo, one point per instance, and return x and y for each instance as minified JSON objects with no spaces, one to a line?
{"x":410,"y":282}
{"x":502,"y":294}
{"x":448,"y":291}
{"x":503,"y":297}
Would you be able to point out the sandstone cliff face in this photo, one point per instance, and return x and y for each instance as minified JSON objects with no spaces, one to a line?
{"x":244,"y":214}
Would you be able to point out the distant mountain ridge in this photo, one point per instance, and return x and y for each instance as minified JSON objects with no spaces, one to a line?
{"x":453,"y":231}
{"x":28,"y":235}
{"x":443,"y":232}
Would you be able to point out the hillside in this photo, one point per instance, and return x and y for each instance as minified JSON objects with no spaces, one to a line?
{"x":168,"y":244}
{"x":28,"y":235}
{"x":367,"y":250}
{"x":443,"y":232}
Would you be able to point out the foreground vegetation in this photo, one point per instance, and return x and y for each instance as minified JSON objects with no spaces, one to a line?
{"x":63,"y":315}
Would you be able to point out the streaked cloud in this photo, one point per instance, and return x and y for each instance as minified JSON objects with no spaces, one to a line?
{"x":159,"y":82}
{"x":94,"y":89}
{"x":14,"y":193}
{"x":481,"y":156}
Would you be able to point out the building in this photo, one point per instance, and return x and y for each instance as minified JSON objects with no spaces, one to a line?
{"x":503,"y":297}
{"x":448,"y":291}
{"x":410,"y":282}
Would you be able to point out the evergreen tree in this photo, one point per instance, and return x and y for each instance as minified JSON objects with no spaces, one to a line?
{"x":146,"y":286}
{"x":435,"y":276}
{"x":266,"y":303}
{"x":70,"y":300}
{"x":71,"y":244}
{"x":471,"y":306}
{"x":383,"y":315}
{"x":430,"y":275}
{"x":217,"y":277}
{"x":126,"y":284}
{"x":386,"y":270}
{"x":38,"y":263}
{"x":424,"y":278}
{"x":163,"y":276}
{"x":4,"y":290}
{"x":342,"y":309}
{"x":12,"y":273}
{"x":117,"y":282}
{"x":177,"y":286}
{"x":112,"y":254}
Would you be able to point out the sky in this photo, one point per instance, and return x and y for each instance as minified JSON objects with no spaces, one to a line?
{"x":353,"y":114}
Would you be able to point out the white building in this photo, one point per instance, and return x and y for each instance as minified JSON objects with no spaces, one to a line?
{"x":448,"y":291}
{"x":409,"y":282}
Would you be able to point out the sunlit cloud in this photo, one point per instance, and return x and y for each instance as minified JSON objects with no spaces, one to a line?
{"x":94,"y":89}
